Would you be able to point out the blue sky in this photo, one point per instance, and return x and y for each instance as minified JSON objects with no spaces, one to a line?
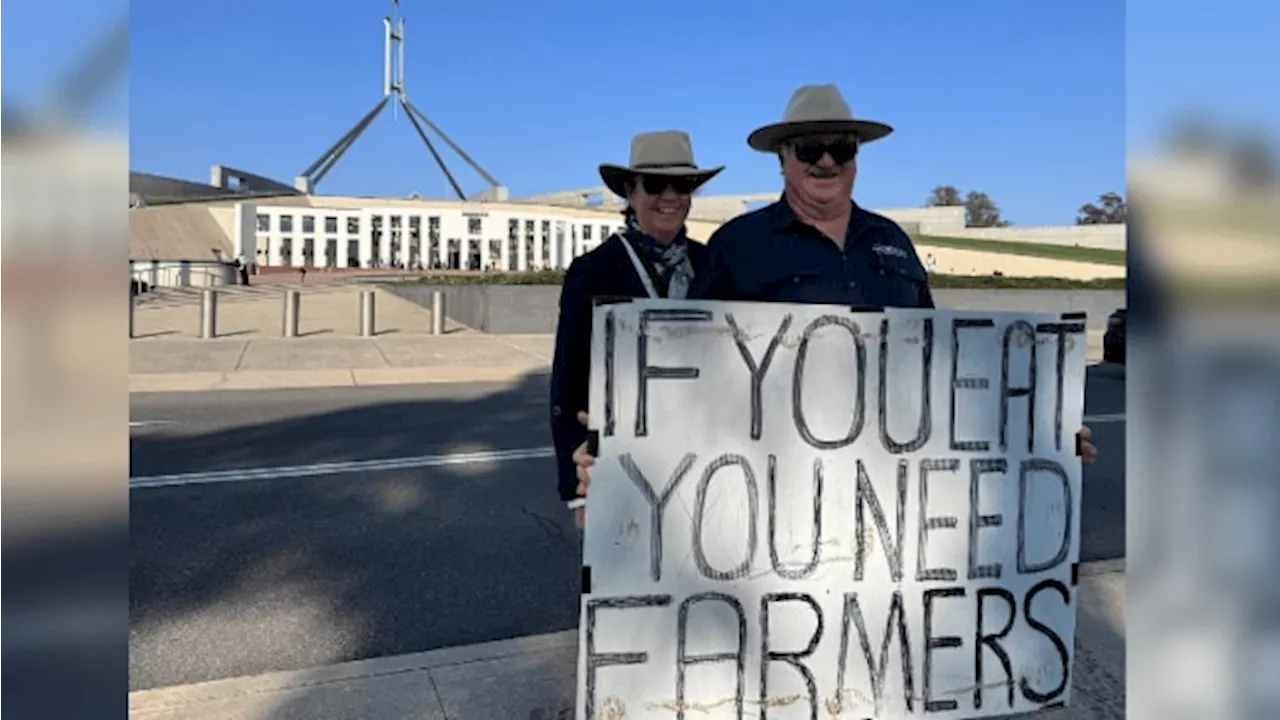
{"x":1024,"y":100}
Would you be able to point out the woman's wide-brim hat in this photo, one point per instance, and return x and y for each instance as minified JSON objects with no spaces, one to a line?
{"x":666,"y":152}
{"x":816,"y":110}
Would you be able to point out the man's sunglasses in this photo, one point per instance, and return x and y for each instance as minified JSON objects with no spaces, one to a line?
{"x":658,"y":184}
{"x":810,"y":153}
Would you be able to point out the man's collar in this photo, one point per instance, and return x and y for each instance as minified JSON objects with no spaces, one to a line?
{"x":784,"y":216}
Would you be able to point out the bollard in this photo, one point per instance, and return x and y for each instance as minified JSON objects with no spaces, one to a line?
{"x":366,"y":313}
{"x":292,"y":304}
{"x":437,"y":313}
{"x":208,"y":314}
{"x":133,"y":303}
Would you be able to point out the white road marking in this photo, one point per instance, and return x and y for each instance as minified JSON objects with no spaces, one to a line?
{"x":336,"y":468}
{"x":148,"y":423}
{"x":404,"y":463}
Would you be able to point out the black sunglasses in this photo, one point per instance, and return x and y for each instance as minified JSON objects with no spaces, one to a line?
{"x":658,"y":184}
{"x":811,"y":152}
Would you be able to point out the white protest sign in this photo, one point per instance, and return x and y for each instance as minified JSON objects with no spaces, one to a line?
{"x":800,"y":511}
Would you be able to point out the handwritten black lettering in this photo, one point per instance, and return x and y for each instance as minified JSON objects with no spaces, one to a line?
{"x":815,"y":542}
{"x":967,"y":382}
{"x":657,"y":503}
{"x":977,"y":468}
{"x":1007,"y":391}
{"x":610,"y":368}
{"x":647,"y":372}
{"x":1025,"y":472}
{"x":878,"y":668}
{"x":924,"y":428}
{"x":927,"y":523}
{"x":932,"y":643}
{"x":1061,"y":330}
{"x":1029,"y":692}
{"x":597,"y":660}
{"x":793,"y":658}
{"x":700,"y":512}
{"x":757,"y":371}
{"x":859,"y":407}
{"x":893,"y":546}
{"x":684,"y":660}
{"x":983,"y":640}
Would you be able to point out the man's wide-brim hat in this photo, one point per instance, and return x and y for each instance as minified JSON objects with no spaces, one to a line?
{"x":668,"y":153}
{"x":816,"y":110}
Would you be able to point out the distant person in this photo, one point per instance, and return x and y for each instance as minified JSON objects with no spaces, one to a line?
{"x":930,"y":263}
{"x":651,"y":258}
{"x":302,"y":274}
{"x":242,"y":269}
{"x":815,"y":244}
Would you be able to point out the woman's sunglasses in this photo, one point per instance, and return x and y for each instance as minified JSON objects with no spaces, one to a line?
{"x":658,"y":184}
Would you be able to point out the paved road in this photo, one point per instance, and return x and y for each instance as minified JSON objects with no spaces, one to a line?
{"x":242,"y":577}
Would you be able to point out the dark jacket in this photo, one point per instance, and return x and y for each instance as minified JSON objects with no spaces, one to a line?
{"x":605,"y":271}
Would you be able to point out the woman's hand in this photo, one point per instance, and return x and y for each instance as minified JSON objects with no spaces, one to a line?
{"x":582,"y":460}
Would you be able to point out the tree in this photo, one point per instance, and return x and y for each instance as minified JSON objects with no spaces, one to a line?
{"x":1111,"y":209}
{"x":944,"y":196}
{"x":981,"y":211}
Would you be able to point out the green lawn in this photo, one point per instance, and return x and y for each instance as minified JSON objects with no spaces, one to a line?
{"x":1043,"y":250}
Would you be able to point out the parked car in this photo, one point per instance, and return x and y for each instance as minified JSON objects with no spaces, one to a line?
{"x":1113,"y":338}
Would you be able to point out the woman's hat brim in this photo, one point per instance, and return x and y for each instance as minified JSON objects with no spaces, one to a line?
{"x":616,"y":177}
{"x":769,"y":137}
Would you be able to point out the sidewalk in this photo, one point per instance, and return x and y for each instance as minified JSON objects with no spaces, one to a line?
{"x":534,"y":678}
{"x":249,"y":352}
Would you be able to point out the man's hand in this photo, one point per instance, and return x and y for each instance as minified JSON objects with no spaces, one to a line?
{"x":1088,"y":452}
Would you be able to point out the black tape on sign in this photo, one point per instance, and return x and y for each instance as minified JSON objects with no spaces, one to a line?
{"x":593,"y":443}
{"x":1075,"y":574}
{"x":586,"y":580}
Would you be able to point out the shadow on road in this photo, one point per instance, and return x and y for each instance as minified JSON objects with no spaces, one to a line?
{"x":239,"y":578}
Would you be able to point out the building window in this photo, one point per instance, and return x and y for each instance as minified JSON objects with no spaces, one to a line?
{"x":308,"y":224}
{"x":308,"y":251}
{"x":264,"y":223}
{"x":331,"y":225}
{"x":286,"y":223}
{"x":353,"y":253}
{"x":286,"y":250}
{"x":473,"y":226}
{"x":604,"y":232}
{"x":586,"y":233}
{"x":528,"y":227}
{"x":395,"y":222}
{"x":353,"y":226}
{"x":513,"y":229}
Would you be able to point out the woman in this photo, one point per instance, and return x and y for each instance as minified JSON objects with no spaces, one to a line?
{"x":651,"y":258}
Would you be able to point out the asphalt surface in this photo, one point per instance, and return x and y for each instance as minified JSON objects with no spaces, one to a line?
{"x":283,"y":573}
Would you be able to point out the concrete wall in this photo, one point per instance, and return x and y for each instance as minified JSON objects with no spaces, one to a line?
{"x":534,"y":309}
{"x":1105,"y":237}
{"x":182,"y":273}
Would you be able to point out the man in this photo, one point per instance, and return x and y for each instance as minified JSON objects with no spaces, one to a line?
{"x":815,"y":245}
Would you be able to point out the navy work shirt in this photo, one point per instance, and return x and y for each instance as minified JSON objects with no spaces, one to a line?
{"x":771,"y":255}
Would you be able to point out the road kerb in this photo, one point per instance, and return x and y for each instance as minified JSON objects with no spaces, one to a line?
{"x":301,"y":379}
{"x":169,"y":699}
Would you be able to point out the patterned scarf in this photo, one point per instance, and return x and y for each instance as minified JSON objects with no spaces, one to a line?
{"x":669,"y":262}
